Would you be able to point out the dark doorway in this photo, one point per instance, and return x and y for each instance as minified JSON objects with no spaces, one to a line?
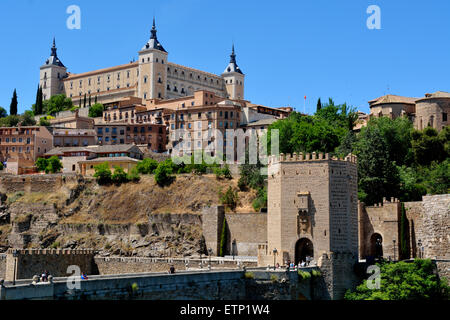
{"x":376,"y":243}
{"x":303,"y":248}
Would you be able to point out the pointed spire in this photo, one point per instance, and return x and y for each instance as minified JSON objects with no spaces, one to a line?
{"x":153,"y":31}
{"x":53,"y":54}
{"x":232,"y":56}
{"x":232,"y":66}
{"x":153,"y":43}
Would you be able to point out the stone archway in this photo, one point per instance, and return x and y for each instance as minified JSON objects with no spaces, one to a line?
{"x":303,"y":248}
{"x":376,"y":246}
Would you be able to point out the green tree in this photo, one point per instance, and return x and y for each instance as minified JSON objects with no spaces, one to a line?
{"x":404,"y":281}
{"x":10,"y":121}
{"x":319,"y":105}
{"x":27,"y":119}
{"x":163,"y":173}
{"x":3,"y":112}
{"x":223,"y":239}
{"x":96,"y":110}
{"x":378,"y":176}
{"x":230,"y":198}
{"x":429,"y":146}
{"x":90,"y":100}
{"x":147,"y":166}
{"x":102,"y":173}
{"x":13,"y":105}
{"x":43,"y":122}
{"x":54,"y":165}
{"x":119,"y":176}
{"x":38,"y":106}
{"x":41,"y":164}
{"x":57,"y":103}
{"x":84,"y":101}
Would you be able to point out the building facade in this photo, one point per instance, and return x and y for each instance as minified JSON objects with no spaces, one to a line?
{"x":21,"y":146}
{"x":151,"y":77}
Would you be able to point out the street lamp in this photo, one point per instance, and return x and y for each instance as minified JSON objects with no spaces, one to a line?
{"x":394,"y":248}
{"x":274,"y":259}
{"x":15,"y":255}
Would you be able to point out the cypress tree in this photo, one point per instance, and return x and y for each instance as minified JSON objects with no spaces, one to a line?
{"x":13,"y":106}
{"x":80,"y":103}
{"x":89,"y":100}
{"x":223,"y":239}
{"x":403,"y":234}
{"x":84,"y":101}
{"x":95,"y":100}
{"x":40,"y":106}
{"x":36,"y":104}
{"x":319,"y":105}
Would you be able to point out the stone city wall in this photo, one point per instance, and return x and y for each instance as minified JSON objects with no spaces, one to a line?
{"x":34,"y":262}
{"x":124,"y":265}
{"x":35,"y":183}
{"x":246,"y":230}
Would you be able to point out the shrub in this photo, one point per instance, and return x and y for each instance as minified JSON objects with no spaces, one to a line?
{"x":147,"y":166}
{"x":54,"y":165}
{"x":223,"y":239}
{"x":249,"y":275}
{"x":261,"y":199}
{"x":102,"y":173}
{"x":1,"y":166}
{"x":133,"y":175}
{"x":43,"y":122}
{"x":119,"y":176}
{"x":163,"y":173}
{"x":230,"y":198}
{"x":315,"y":273}
{"x":96,"y":110}
{"x":222,"y":173}
{"x":273,"y":278}
{"x":41,"y":164}
{"x":303,"y":275}
{"x":404,"y":281}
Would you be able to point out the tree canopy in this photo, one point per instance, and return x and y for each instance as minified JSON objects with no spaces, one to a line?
{"x":415,"y":280}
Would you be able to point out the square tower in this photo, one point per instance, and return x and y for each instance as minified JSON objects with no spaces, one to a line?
{"x":152,"y":78}
{"x":312,"y":207}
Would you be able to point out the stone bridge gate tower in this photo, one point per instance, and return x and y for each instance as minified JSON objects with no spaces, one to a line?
{"x":312,"y":212}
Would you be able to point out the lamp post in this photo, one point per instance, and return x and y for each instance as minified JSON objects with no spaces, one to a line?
{"x":15,"y":255}
{"x":394,"y":248}
{"x":210,"y":253}
{"x":274,"y":258}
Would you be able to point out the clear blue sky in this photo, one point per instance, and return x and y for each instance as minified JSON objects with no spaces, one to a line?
{"x":287,"y":49}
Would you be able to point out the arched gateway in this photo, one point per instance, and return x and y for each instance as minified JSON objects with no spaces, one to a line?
{"x":303,"y":248}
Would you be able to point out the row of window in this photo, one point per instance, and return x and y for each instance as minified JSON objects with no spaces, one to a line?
{"x":191,"y":76}
{"x":14,"y":140}
{"x":225,"y":125}
{"x":108,"y":79}
{"x":13,"y":149}
{"x":209,"y":114}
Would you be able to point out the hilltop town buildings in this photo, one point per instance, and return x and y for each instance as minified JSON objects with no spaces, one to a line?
{"x":429,"y":111}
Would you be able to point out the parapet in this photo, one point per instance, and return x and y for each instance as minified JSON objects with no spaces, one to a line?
{"x":52,"y":251}
{"x":304,"y":157}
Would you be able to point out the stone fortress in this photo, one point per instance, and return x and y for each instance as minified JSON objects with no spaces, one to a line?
{"x":151,"y":77}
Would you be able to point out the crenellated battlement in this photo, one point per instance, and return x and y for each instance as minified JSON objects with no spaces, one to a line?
{"x":52,"y":251}
{"x":309,"y":157}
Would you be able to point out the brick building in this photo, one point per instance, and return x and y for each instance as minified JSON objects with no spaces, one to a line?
{"x":21,"y":146}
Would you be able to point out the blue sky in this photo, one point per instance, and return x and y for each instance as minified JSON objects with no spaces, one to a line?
{"x":287,"y":49}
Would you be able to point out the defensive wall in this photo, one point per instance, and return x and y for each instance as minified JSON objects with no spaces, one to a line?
{"x":427,"y":227}
{"x":254,"y":284}
{"x":35,"y":182}
{"x":244,"y":231}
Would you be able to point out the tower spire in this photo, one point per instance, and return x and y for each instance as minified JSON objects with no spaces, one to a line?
{"x":53,"y":54}
{"x":233,"y":55}
{"x":153,"y":31}
{"x":153,"y":43}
